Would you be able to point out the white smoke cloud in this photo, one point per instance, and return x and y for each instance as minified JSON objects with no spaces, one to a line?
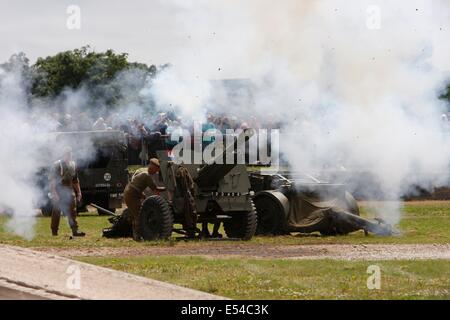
{"x":19,"y":143}
{"x":186,"y":94}
{"x":28,"y":146}
{"x":354,"y":95}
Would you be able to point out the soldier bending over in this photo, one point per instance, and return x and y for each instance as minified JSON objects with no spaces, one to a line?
{"x":133,"y":194}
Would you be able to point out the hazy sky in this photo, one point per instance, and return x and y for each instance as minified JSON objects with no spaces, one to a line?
{"x":144,"y":29}
{"x":221,"y":37}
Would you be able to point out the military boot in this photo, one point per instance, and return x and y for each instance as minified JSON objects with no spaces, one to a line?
{"x":77,"y":233}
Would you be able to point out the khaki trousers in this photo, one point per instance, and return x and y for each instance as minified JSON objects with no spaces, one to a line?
{"x":67,"y":205}
{"x":133,"y":200}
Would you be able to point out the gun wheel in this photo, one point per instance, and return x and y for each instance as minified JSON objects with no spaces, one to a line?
{"x":242,"y":225}
{"x":156,"y":219}
{"x":47,"y":210}
{"x":271,"y":217}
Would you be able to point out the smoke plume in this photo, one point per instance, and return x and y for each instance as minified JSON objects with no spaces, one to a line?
{"x":354,"y":84}
{"x":28,"y":146}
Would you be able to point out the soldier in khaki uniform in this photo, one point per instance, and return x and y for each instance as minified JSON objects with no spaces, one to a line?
{"x":65,"y":189}
{"x":133,"y":194}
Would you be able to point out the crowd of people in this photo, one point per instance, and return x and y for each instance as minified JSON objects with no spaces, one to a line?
{"x":146,"y":134}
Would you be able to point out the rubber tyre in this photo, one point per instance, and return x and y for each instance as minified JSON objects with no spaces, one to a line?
{"x":47,"y":210}
{"x":156,"y":219}
{"x":271,"y":218}
{"x":242,"y":225}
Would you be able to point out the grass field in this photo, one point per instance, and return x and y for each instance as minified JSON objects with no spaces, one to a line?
{"x":422,"y":222}
{"x":289,"y":279}
{"x":425,"y":222}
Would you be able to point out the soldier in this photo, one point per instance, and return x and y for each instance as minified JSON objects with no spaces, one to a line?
{"x":133,"y":194}
{"x":65,"y":190}
{"x":185,"y":184}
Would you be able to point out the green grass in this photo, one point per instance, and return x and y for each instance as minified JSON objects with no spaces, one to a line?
{"x":422,"y":222}
{"x":292,"y":279}
{"x":90,"y":223}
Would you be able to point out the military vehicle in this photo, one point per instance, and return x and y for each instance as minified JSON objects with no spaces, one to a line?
{"x":101,"y":158}
{"x":247,"y":203}
{"x":292,"y":202}
{"x":220,"y":193}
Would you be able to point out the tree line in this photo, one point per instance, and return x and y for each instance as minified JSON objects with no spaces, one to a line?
{"x":96,"y":72}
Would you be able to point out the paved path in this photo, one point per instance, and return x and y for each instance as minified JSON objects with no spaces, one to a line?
{"x":11,"y":294}
{"x":51,"y":276}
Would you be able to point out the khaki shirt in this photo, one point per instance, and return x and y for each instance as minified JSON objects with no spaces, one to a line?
{"x":141,"y":181}
{"x":65,"y":173}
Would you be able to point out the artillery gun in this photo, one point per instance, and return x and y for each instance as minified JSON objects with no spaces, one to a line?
{"x":212,"y":193}
{"x":246,"y":203}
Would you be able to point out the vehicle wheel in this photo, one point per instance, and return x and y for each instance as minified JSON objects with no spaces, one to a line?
{"x":47,"y":210}
{"x":82,"y":208}
{"x":126,"y":214}
{"x":242,"y":225}
{"x":271,"y":217}
{"x":156,"y":218}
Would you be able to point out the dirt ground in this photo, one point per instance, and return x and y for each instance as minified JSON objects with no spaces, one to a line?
{"x":221,"y":250}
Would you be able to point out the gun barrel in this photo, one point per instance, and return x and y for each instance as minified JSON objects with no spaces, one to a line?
{"x":379,"y":228}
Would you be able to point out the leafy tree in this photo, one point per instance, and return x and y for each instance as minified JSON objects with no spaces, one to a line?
{"x":16,"y":60}
{"x":19,"y":63}
{"x":96,"y":71}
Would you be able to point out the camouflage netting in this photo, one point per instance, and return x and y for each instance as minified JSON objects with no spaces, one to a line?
{"x":331,"y":217}
{"x":307,"y":214}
